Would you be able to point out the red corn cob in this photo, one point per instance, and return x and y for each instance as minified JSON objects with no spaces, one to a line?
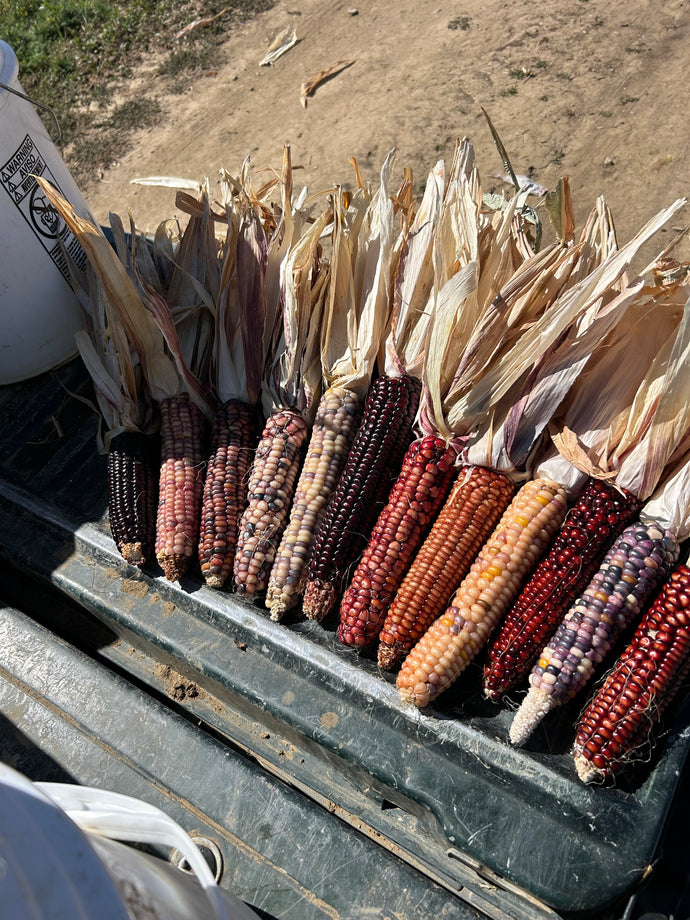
{"x":181,"y":484}
{"x":132,"y":495}
{"x":225,"y":490}
{"x":634,"y":569}
{"x":476,"y":502}
{"x":269,"y":497}
{"x":373,"y":461}
{"x":415,"y":499}
{"x":649,"y":673}
{"x":596,"y":519}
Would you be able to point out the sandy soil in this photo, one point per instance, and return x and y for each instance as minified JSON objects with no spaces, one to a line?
{"x":584,"y":88}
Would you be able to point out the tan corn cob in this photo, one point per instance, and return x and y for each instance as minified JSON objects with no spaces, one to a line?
{"x":512,"y":551}
{"x":476,"y":502}
{"x":181,"y":484}
{"x":335,"y":425}
{"x":225,"y":490}
{"x":269,"y":496}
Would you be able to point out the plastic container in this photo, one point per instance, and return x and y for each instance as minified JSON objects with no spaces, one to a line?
{"x":39,"y":311}
{"x":54,"y":866}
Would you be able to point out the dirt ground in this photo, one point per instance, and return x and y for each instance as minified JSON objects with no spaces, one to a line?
{"x":584,"y":88}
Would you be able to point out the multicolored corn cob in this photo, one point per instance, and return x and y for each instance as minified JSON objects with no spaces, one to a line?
{"x":225,"y":489}
{"x":337,"y":418}
{"x":374,"y":460}
{"x":414,"y":501}
{"x":132,"y":495}
{"x":183,"y":429}
{"x":476,"y":502}
{"x":269,"y":497}
{"x":620,"y":719}
{"x":511,"y":553}
{"x":633,"y":570}
{"x":592,"y":524}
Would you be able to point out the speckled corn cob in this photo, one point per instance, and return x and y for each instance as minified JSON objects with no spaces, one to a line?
{"x":514,"y":548}
{"x":225,"y":490}
{"x":592,"y":524}
{"x":181,"y":484}
{"x":634,"y":569}
{"x":620,"y":719}
{"x":269,"y":497}
{"x":132,"y":495}
{"x":415,"y":499}
{"x":475,"y":505}
{"x":372,"y":464}
{"x":336,"y":422}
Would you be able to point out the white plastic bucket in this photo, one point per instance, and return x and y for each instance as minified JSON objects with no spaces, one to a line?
{"x":39,"y":312}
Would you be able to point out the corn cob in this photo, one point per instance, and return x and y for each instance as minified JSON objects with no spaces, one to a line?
{"x":334,"y":428}
{"x":414,"y":501}
{"x":225,"y":490}
{"x":454,"y":639}
{"x":374,"y":459}
{"x":269,"y":496}
{"x":647,"y":676}
{"x":132,"y":495}
{"x":592,"y":524}
{"x":633,"y":570}
{"x":475,"y":504}
{"x":181,"y":484}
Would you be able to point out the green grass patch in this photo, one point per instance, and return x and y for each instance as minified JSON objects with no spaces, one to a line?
{"x":75,"y":54}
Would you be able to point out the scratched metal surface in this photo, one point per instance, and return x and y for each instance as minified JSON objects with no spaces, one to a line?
{"x":519,"y":815}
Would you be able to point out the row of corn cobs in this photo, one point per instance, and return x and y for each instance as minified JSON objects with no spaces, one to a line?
{"x":435,"y":561}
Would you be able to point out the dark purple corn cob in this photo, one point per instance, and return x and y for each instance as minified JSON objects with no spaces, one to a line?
{"x":132,"y":494}
{"x":372,"y":464}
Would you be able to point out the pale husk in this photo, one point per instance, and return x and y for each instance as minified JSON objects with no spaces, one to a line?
{"x":597,"y":416}
{"x":140,"y":327}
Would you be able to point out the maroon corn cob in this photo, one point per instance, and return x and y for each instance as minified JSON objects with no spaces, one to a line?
{"x":181,"y":484}
{"x":225,"y":490}
{"x":596,"y":519}
{"x":269,"y":498}
{"x":634,"y":569}
{"x":372,"y":463}
{"x":132,"y":495}
{"x":476,"y":502}
{"x":625,"y":710}
{"x":416,"y":497}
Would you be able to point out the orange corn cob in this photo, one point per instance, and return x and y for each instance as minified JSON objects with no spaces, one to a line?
{"x":372,"y":463}
{"x":475,"y":504}
{"x":334,"y":428}
{"x":592,"y":524}
{"x":514,"y":548}
{"x":634,"y":569}
{"x":620,"y":719}
{"x":414,"y":501}
{"x":225,"y":490}
{"x":181,"y":484}
{"x":269,"y":496}
{"x":132,"y":495}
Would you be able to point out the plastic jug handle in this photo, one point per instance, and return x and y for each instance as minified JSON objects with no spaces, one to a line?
{"x":121,"y":817}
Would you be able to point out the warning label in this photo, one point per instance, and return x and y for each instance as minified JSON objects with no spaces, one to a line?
{"x":18,"y":178}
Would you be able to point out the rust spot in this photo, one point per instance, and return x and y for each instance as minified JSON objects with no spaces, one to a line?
{"x":111,"y":573}
{"x":329,"y":720}
{"x":155,"y":598}
{"x":168,"y":609}
{"x":288,"y":698}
